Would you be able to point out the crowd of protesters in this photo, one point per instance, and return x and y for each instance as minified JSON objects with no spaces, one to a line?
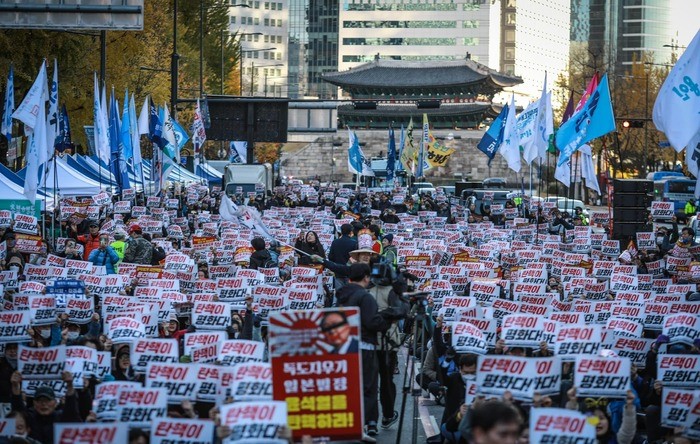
{"x":345,"y":234}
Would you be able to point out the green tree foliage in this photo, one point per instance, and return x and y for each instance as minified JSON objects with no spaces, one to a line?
{"x":78,"y":56}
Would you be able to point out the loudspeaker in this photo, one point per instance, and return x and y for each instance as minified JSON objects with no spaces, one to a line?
{"x":626,"y":230}
{"x":628,"y":214}
{"x":636,"y":186}
{"x":623,"y":200}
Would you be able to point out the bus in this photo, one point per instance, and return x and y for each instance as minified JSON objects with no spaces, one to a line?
{"x":676,"y":190}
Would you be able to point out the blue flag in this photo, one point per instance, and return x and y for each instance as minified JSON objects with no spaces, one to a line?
{"x":391,"y":156}
{"x":155,"y":125}
{"x":125,"y":133}
{"x":9,"y":105}
{"x":64,"y":140}
{"x":117,"y":164}
{"x":594,"y":120}
{"x":494,"y":135}
{"x":402,"y":140}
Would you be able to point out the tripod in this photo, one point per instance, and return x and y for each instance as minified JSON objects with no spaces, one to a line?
{"x":409,"y":372}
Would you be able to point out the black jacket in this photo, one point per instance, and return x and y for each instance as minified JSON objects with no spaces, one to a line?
{"x":371,"y":322}
{"x":306,"y":247}
{"x":259,"y":258}
{"x":341,"y":248}
{"x":42,"y":426}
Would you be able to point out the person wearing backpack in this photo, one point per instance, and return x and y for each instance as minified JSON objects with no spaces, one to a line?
{"x":387,"y":292}
{"x":261,"y":258}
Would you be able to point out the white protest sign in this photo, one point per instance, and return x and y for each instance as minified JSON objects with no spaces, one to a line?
{"x":520,"y":330}
{"x":675,"y":405}
{"x":254,"y":420}
{"x":467,"y":338}
{"x":682,"y":328}
{"x":141,"y":406}
{"x":179,"y":380}
{"x":182,"y":431}
{"x":14,"y":326}
{"x":90,"y":433}
{"x":681,"y":371}
{"x":552,"y":425}
{"x":25,"y":224}
{"x":236,"y":351}
{"x":145,"y":350}
{"x":106,"y":395}
{"x":521,"y":376}
{"x":199,"y":339}
{"x":211,"y":315}
{"x":662,"y":210}
{"x":41,"y":363}
{"x":573,"y":340}
{"x":79,"y":309}
{"x":124,"y":330}
{"x":596,"y":376}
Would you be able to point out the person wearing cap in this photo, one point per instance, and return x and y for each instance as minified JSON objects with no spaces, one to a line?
{"x":44,"y":413}
{"x":363,"y":254}
{"x":90,"y":241}
{"x":390,"y":253}
{"x":138,"y":250}
{"x":104,"y":255}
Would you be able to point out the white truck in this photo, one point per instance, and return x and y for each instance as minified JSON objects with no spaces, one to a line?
{"x":250,"y":178}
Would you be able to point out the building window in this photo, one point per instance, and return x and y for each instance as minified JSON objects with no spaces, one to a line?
{"x":279,"y":6}
{"x":266,"y":55}
{"x":267,"y":5}
{"x":471,"y":41}
{"x":470,"y":24}
{"x":279,"y":39}
{"x":279,"y":56}
{"x":510,"y":36}
{"x":509,"y":69}
{"x":400,"y":24}
{"x":279,"y":22}
{"x":273,"y":6}
{"x":256,"y":21}
{"x":233,"y":20}
{"x":266,"y":39}
{"x":510,"y":18}
{"x":510,"y":54}
{"x":256,"y":38}
{"x":510,"y":3}
{"x":266,"y":22}
{"x":257,"y":5}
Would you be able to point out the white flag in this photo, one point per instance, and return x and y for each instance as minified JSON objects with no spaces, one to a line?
{"x":36,"y":154}
{"x":692,"y":160}
{"x":143,"y":117}
{"x":101,"y":127}
{"x":28,"y":111}
{"x":238,"y":151}
{"x":563,"y":173}
{"x":677,"y":107}
{"x":250,"y":218}
{"x":510,"y":148}
{"x":52,"y":122}
{"x":544,"y":125}
{"x":169,"y":133}
{"x":199,"y":135}
{"x":527,"y":129}
{"x":227,"y":209}
{"x":587,"y":168}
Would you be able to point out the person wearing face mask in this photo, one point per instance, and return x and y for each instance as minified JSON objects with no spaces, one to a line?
{"x":21,"y":427}
{"x":456,"y":384}
{"x":45,"y":335}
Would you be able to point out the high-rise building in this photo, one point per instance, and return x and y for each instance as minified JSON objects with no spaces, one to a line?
{"x":262,"y":29}
{"x":313,"y":47}
{"x":619,"y":33}
{"x":534,"y":40}
{"x":418,"y":30}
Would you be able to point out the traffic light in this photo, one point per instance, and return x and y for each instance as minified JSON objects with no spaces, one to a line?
{"x":632,"y":124}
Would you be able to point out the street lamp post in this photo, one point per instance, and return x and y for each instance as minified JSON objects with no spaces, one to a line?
{"x":252,"y":67}
{"x":240,"y":55}
{"x":269,"y":66}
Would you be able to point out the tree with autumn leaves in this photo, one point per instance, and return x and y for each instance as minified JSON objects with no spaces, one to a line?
{"x":137,"y":60}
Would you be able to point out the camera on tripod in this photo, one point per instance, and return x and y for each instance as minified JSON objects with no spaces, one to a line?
{"x":383,"y":273}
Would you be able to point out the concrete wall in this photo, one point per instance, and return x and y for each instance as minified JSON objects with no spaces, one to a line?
{"x":316,"y":158}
